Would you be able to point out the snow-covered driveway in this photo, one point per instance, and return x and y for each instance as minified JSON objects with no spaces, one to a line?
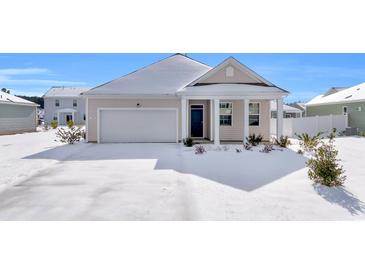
{"x":45,"y":180}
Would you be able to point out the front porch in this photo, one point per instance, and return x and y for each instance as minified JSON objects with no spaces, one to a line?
{"x":227,"y":120}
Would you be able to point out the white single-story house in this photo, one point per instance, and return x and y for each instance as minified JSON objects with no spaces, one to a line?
{"x":179,"y":97}
{"x":17,"y":115}
{"x":63,"y":104}
{"x":288,"y":111}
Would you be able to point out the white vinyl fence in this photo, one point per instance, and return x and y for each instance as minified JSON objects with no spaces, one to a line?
{"x":310,"y":125}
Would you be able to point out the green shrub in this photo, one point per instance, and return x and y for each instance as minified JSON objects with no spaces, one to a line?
{"x":307,"y":142}
{"x":324,"y":167}
{"x":54,"y":124}
{"x":247,"y":146}
{"x":199,"y":149}
{"x":254,"y":140}
{"x":70,"y":135}
{"x":267,"y":148}
{"x":188,"y":142}
{"x":70,"y":123}
{"x":283,"y":141}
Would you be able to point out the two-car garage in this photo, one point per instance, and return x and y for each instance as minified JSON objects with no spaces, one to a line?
{"x":137,"y":125}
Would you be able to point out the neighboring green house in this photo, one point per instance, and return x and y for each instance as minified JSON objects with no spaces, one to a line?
{"x":347,"y":101}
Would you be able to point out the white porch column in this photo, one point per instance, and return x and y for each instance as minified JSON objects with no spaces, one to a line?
{"x":216,"y":122}
{"x":246,"y":128}
{"x":279,"y":119}
{"x":58,"y":117}
{"x":183,"y":119}
{"x":211,"y":120}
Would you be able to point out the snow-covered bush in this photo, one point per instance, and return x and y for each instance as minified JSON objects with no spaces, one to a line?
{"x":199,"y":149}
{"x":254,"y":139}
{"x":70,"y":135}
{"x":283,"y":141}
{"x":54,"y":124}
{"x":70,"y":123}
{"x":46,"y":127}
{"x":247,"y":146}
{"x":324,"y":167}
{"x":267,"y":148}
{"x":307,"y":142}
{"x":188,"y":142}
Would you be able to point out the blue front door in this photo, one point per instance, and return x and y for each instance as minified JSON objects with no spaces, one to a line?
{"x":196,"y":121}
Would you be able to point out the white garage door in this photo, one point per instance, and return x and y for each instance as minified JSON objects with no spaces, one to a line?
{"x":137,"y":125}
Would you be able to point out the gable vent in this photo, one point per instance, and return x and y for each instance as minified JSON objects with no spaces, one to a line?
{"x":229,"y":72}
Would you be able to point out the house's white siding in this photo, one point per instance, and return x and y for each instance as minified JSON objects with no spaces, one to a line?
{"x":50,"y":109}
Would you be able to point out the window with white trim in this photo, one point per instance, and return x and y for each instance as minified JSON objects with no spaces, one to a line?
{"x":225,"y":113}
{"x":254,"y":114}
{"x":344,"y":110}
{"x":55,"y":118}
{"x":74,"y":103}
{"x":57,"y":103}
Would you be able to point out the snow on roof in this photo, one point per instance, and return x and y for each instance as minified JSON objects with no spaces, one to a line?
{"x":65,"y":91}
{"x":286,"y":108}
{"x":355,"y":93}
{"x":230,"y":89}
{"x":164,"y":77}
{"x":11,"y":99}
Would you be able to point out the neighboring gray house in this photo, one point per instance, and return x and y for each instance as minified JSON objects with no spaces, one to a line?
{"x":17,"y":115}
{"x":347,"y":101}
{"x":288,"y":111}
{"x":64,"y":104}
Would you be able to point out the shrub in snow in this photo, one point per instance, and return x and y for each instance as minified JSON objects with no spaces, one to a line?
{"x":247,"y":146}
{"x":254,"y":139}
{"x":307,"y":142}
{"x":70,"y":136}
{"x":188,"y":142}
{"x":54,"y":124}
{"x":238,"y":150}
{"x":46,"y":127}
{"x":283,"y":141}
{"x":324,"y":167}
{"x":70,"y":124}
{"x":225,"y":148}
{"x":267,"y":148}
{"x":199,"y":149}
{"x":332,"y":134}
{"x":300,"y":152}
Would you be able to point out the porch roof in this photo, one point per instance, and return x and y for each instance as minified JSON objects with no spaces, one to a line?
{"x":232,"y":90}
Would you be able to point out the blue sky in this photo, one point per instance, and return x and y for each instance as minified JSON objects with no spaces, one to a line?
{"x":304,"y":75}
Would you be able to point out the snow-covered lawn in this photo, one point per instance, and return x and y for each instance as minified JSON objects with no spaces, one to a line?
{"x":45,"y":180}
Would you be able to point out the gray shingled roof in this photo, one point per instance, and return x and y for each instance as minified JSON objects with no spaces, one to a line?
{"x":165,"y":77}
{"x":65,"y":91}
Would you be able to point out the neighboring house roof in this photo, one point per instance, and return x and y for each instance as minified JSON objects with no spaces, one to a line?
{"x":161,"y":78}
{"x":286,"y":108}
{"x":65,"y":91}
{"x":181,"y":75}
{"x":352,"y":94}
{"x":300,"y":106}
{"x":6,"y":98}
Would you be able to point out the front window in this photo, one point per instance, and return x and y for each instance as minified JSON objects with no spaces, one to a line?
{"x":225,"y":111}
{"x":74,"y":103}
{"x":57,"y":103}
{"x":254,"y":114}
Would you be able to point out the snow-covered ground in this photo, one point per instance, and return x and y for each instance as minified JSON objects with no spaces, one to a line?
{"x":45,"y":180}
